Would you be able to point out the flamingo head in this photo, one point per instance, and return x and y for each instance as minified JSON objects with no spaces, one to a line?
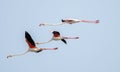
{"x":42,"y":24}
{"x":9,"y":56}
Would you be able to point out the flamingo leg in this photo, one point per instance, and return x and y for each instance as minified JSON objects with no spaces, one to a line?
{"x":88,"y":21}
{"x":49,"y":48}
{"x":70,"y":37}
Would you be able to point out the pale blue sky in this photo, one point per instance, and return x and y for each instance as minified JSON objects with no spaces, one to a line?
{"x":97,"y":50}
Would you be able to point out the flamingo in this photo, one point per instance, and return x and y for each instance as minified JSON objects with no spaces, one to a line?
{"x":57,"y":36}
{"x":70,"y":21}
{"x":32,"y":46}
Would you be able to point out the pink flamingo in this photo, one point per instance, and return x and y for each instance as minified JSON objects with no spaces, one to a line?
{"x":32,"y":46}
{"x":57,"y":36}
{"x":70,"y":21}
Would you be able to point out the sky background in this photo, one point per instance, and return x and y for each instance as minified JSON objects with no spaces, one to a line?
{"x":97,"y":50}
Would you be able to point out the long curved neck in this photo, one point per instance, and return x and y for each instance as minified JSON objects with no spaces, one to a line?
{"x":21,"y":54}
{"x":18,"y":54}
{"x":43,"y":42}
{"x":50,"y":24}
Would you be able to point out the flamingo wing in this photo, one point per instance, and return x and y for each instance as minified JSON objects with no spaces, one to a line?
{"x":56,"y":33}
{"x":62,"y":20}
{"x":29,"y":40}
{"x":64,"y":41}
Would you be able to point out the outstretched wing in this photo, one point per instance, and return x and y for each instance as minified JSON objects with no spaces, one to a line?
{"x":29,"y":40}
{"x":56,"y":34}
{"x":64,"y":41}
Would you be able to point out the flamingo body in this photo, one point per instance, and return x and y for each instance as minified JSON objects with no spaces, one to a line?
{"x":72,"y":21}
{"x":56,"y":36}
{"x":32,"y":46}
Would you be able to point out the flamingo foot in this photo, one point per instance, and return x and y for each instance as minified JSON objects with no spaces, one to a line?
{"x":76,"y":37}
{"x":55,"y":48}
{"x":97,"y":21}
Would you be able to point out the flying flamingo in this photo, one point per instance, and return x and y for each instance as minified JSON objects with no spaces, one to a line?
{"x":57,"y":36}
{"x":32,"y":46}
{"x":70,"y":21}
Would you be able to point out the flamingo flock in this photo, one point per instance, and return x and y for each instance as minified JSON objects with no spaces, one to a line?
{"x":56,"y":37}
{"x":70,"y":21}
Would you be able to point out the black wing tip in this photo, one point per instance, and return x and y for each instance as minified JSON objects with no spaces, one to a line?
{"x":27,"y":35}
{"x":26,"y":32}
{"x":64,"y":41}
{"x":56,"y":32}
{"x":62,"y":20}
